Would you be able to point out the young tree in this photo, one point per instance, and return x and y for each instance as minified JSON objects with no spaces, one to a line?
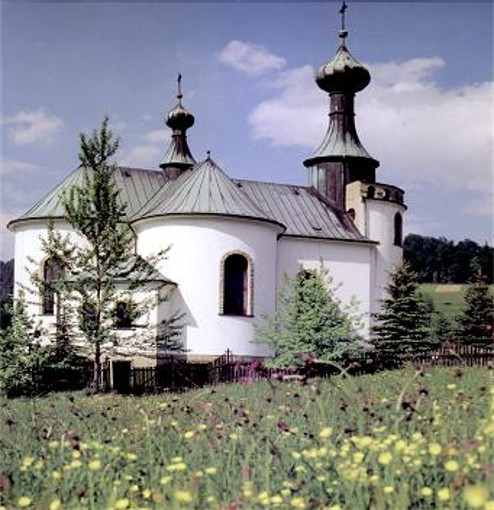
{"x":404,"y":324}
{"x":310,"y":320}
{"x":102,"y":269}
{"x":476,"y":321}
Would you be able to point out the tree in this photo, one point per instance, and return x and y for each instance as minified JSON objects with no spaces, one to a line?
{"x":404,"y":324}
{"x":94,"y":269}
{"x":309,"y":320}
{"x":476,"y":321}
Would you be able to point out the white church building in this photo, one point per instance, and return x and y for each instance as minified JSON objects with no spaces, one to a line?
{"x":231,"y":240}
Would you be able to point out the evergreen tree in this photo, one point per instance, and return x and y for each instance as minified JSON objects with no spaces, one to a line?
{"x":404,"y":324}
{"x":309,"y":320}
{"x":475,"y":323}
{"x":94,"y":268}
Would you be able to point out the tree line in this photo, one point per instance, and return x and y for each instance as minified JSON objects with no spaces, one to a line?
{"x":440,"y":260}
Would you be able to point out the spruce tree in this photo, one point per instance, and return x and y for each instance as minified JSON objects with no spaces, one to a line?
{"x":310,"y":320}
{"x":403,"y":327}
{"x":476,"y":321}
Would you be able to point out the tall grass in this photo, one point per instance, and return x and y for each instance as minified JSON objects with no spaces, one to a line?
{"x":396,"y":440}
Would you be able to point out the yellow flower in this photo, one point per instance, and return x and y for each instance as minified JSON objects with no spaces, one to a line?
{"x":325,"y":432}
{"x":146,"y":493}
{"x":475,"y":495}
{"x":388,"y":489}
{"x":27,"y":461}
{"x":56,"y":504}
{"x":131,"y":456}
{"x":489,"y":505}
{"x":443,"y":494}
{"x":451,"y":386}
{"x":180,"y":466}
{"x":75,"y":464}
{"x":426,"y":492}
{"x":134,"y":488}
{"x":24,"y":501}
{"x":56,"y":475}
{"x":210,"y":470}
{"x":189,"y":434}
{"x":95,"y":465}
{"x":122,"y":503}
{"x":435,"y":449}
{"x":334,"y":507}
{"x":276,"y":500}
{"x":298,"y":503}
{"x":76,"y":454}
{"x":183,"y":497}
{"x":385,"y":458}
{"x":451,"y":465}
{"x":166,"y":480}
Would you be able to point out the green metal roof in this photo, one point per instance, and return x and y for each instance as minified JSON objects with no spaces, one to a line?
{"x":204,"y":189}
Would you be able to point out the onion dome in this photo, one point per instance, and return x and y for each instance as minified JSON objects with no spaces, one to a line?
{"x":178,"y":156}
{"x":343,"y":73}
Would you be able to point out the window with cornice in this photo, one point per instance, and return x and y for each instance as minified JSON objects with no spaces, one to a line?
{"x":52,"y":271}
{"x":236,"y":285}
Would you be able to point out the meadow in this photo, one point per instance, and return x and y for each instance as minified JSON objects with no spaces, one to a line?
{"x":395,"y":440}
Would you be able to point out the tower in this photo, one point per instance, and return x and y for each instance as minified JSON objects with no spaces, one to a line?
{"x":178,"y":156}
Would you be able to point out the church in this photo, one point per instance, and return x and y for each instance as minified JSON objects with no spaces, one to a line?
{"x":231,"y":241}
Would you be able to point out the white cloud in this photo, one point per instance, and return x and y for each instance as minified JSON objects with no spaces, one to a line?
{"x":143,"y":155}
{"x":33,"y":127}
{"x":249,"y":58}
{"x":158,"y":136}
{"x":420,"y":132}
{"x":12,"y":166}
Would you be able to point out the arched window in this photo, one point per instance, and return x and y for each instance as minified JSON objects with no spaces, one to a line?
{"x":52,"y":270}
{"x":351,"y":213}
{"x":398,"y":229}
{"x":236,"y":285}
{"x":371,"y":192}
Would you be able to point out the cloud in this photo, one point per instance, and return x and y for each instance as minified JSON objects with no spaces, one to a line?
{"x":158,"y":136}
{"x":12,"y":166}
{"x":249,"y":58}
{"x":421,"y":133}
{"x":143,"y":155}
{"x":33,"y":127}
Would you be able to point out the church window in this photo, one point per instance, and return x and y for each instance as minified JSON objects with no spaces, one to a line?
{"x":351,"y":213}
{"x":398,"y":229}
{"x":123,"y":315}
{"x":236,"y":289}
{"x":371,"y":192}
{"x":52,"y":271}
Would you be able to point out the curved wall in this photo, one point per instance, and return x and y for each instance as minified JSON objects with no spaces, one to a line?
{"x":197,"y":247}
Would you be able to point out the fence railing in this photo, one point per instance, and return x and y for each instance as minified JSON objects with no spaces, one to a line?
{"x":175,"y":374}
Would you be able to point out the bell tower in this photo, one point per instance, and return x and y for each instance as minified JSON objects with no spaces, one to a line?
{"x":341,"y":158}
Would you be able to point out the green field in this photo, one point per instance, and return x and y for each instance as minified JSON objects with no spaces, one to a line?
{"x":447,"y":299}
{"x":394,"y":440}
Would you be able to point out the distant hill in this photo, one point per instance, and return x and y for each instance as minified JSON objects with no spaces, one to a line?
{"x":6,"y":280}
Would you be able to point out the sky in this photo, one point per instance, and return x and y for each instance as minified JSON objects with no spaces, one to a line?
{"x":247,"y":70}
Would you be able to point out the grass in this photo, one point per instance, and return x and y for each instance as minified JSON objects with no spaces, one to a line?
{"x":447,"y":299}
{"x":395,"y":440}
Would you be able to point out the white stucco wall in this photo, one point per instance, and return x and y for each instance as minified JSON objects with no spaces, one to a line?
{"x":349,"y":264}
{"x":197,"y":246}
{"x":380,"y":223}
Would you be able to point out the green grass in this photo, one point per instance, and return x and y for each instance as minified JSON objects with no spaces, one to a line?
{"x":447,"y":299}
{"x":394,"y":440}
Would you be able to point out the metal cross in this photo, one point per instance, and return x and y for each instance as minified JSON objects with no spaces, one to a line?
{"x":179,"y":86}
{"x":343,"y":8}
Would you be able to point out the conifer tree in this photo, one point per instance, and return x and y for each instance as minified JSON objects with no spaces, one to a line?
{"x":404,"y":324}
{"x":476,"y":321}
{"x":310,"y":320}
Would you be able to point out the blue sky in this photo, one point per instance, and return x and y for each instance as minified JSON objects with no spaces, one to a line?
{"x":247,"y":77}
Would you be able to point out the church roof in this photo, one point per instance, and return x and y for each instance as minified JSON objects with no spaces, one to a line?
{"x":206,"y":189}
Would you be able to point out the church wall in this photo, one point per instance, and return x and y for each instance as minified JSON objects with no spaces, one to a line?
{"x":197,"y":247}
{"x":380,"y":227}
{"x":349,"y":265}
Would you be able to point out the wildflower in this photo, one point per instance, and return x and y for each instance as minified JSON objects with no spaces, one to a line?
{"x":56,"y":475}
{"x":166,"y":480}
{"x":95,"y":465}
{"x":183,"y":497}
{"x":489,"y":505}
{"x":27,"y":462}
{"x":24,"y":501}
{"x":451,"y":465}
{"x":276,"y":500}
{"x":146,"y":493}
{"x":210,"y":470}
{"x":443,"y":494}
{"x":325,"y":432}
{"x":298,"y":503}
{"x":189,"y":434}
{"x":134,"y":488}
{"x":475,"y":495}
{"x":451,"y":386}
{"x":131,"y":456}
{"x":385,"y":458}
{"x":426,"y":492}
{"x":435,"y":449}
{"x":55,"y":504}
{"x":76,"y":454}
{"x":388,"y":489}
{"x":122,"y":503}
{"x":75,"y":464}
{"x":179,"y":466}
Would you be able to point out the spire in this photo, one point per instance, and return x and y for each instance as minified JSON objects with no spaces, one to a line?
{"x":341,"y":153}
{"x":178,"y":156}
